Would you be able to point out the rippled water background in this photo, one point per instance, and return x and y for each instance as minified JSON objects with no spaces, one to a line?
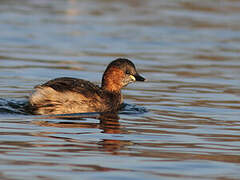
{"x":188,"y":50}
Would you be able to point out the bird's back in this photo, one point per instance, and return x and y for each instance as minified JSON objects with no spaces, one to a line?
{"x":70,"y":95}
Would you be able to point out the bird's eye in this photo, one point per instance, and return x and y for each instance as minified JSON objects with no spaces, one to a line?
{"x":128,"y":72}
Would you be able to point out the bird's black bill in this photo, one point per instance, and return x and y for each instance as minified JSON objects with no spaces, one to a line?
{"x":139,"y":78}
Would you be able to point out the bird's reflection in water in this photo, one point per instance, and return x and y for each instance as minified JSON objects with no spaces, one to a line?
{"x":108,"y":124}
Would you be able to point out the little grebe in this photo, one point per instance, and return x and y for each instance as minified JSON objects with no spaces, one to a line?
{"x":71,"y":95}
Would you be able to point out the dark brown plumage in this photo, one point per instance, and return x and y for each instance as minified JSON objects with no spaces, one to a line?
{"x":71,"y":95}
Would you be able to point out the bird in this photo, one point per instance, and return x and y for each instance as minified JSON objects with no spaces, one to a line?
{"x":67,"y":95}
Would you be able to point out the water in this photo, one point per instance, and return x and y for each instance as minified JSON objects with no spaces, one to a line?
{"x":183,"y":123}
